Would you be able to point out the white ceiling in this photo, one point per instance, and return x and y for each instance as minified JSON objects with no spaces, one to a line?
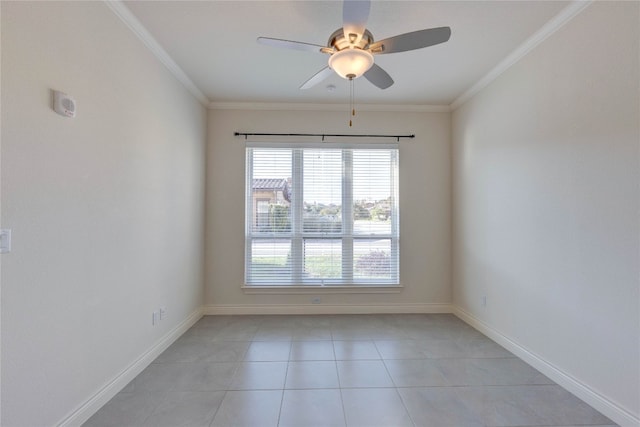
{"x":214,"y":43}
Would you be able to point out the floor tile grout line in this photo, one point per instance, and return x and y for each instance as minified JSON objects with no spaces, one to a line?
{"x":404,"y":404}
{"x":281,"y":405}
{"x":335,"y":364}
{"x":284,"y":385}
{"x":398,"y":393}
{"x":218,"y":408}
{"x":344,"y":411}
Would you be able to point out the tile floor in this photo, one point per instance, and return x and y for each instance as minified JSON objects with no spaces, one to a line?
{"x":341,"y":370}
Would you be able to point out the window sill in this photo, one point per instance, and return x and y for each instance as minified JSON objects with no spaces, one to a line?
{"x":327,"y":289}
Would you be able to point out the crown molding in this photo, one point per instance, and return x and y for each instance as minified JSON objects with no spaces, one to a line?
{"x":553,"y":25}
{"x":283,"y":106}
{"x":126,"y":16}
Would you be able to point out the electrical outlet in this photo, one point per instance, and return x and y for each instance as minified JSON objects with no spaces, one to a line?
{"x":163,"y":313}
{"x":155,"y":318}
{"x":316,"y":300}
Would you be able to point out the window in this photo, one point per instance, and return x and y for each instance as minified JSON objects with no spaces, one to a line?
{"x":321,"y":216}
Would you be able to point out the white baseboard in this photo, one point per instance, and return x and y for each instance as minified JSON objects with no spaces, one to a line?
{"x":606,"y":406}
{"x":230,"y":309}
{"x":113,"y":387}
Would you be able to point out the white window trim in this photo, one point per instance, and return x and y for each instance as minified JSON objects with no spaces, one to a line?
{"x":287,"y":289}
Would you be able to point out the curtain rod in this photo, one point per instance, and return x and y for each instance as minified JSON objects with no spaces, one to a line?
{"x":323,"y":135}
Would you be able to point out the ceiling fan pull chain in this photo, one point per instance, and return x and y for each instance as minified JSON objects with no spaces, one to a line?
{"x":353,"y":98}
{"x":352,"y":110}
{"x":350,"y":99}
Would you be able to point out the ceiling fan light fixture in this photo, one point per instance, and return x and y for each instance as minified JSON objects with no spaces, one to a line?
{"x":351,"y":63}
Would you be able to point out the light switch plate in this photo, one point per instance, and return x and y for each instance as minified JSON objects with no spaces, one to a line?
{"x":155,"y":318}
{"x":5,"y":240}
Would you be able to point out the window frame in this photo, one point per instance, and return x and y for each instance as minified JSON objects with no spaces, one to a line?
{"x":296,"y":283}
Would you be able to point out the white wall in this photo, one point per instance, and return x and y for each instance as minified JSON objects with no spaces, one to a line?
{"x":546,"y":203}
{"x":107,"y":209}
{"x":1,"y":116}
{"x":424,"y":207}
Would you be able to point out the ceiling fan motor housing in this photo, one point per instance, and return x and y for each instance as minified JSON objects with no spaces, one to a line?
{"x":339,"y":42}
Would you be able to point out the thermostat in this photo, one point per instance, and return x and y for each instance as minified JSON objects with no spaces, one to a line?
{"x":63,"y":104}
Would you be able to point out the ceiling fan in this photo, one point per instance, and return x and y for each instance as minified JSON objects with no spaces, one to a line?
{"x":352,"y":49}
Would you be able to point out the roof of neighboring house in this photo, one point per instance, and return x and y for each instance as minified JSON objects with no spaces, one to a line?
{"x":270,"y":184}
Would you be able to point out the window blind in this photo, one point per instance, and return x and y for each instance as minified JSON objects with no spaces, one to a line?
{"x":321,"y":216}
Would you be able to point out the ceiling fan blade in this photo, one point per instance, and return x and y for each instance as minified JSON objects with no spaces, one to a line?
{"x":411,"y":41}
{"x":289,"y":44}
{"x":317,"y":78}
{"x":355,"y":14}
{"x":378,"y":77}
